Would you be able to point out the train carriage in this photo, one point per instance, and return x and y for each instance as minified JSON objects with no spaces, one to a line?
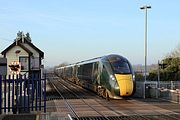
{"x":109,"y":76}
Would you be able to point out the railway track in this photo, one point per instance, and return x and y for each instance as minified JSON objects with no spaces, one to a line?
{"x":69,"y":91}
{"x":134,"y":115}
{"x":83,"y":94}
{"x":82,"y":104}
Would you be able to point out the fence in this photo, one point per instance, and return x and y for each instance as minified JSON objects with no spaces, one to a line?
{"x":146,"y":89}
{"x":170,"y":84}
{"x":21,"y":94}
{"x":169,"y":90}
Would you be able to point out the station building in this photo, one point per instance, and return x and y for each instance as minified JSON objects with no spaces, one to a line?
{"x":23,"y":57}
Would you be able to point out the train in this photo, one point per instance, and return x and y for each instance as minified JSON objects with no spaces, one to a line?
{"x":110,"y":76}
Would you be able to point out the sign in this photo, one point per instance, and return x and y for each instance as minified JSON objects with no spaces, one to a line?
{"x":15,"y":67}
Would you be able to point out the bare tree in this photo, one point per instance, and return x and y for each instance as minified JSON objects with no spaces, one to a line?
{"x":175,"y":53}
{"x":63,"y":64}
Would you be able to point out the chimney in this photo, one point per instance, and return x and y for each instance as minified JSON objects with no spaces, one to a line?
{"x":16,"y":41}
{"x":23,"y":37}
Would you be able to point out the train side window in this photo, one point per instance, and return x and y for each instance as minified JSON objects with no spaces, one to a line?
{"x":87,"y":71}
{"x":80,"y":72}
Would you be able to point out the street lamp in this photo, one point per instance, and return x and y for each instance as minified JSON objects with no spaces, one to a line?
{"x":145,"y":39}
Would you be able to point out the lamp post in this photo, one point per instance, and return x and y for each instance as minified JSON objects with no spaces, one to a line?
{"x":145,"y":7}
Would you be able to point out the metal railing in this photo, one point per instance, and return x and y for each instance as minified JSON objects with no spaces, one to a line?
{"x":168,"y":90}
{"x":22,"y":94}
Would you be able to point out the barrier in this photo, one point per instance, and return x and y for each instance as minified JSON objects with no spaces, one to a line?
{"x":169,"y":90}
{"x":21,"y":93}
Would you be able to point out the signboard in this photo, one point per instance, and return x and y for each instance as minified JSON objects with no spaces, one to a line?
{"x":15,"y":67}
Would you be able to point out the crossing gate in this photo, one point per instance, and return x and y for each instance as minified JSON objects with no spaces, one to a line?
{"x":22,"y":94}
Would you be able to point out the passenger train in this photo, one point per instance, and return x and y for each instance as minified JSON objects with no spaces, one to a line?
{"x":109,"y":76}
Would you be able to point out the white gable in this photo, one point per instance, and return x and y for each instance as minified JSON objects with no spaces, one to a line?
{"x":35,"y":53}
{"x":12,"y":55}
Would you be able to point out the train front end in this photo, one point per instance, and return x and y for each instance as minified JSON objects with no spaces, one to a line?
{"x":125,"y":83}
{"x":124,"y":76}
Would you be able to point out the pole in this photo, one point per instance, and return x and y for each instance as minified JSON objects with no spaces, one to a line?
{"x":158,"y":74}
{"x":145,"y":46}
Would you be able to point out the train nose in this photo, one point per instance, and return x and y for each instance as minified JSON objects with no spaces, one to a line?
{"x":125,"y":83}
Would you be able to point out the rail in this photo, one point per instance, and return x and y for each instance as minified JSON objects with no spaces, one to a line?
{"x":66,"y":102}
{"x":82,"y":98}
{"x":135,"y":116}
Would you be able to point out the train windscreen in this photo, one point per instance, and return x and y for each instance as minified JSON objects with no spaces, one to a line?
{"x":120,"y":66}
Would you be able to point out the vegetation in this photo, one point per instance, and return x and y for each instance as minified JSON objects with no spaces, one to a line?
{"x":61,"y":65}
{"x":169,"y":67}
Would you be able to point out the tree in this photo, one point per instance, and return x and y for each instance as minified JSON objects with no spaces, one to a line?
{"x":139,"y":77}
{"x":172,"y":65}
{"x":63,"y":64}
{"x":60,"y":65}
{"x":169,"y":67}
{"x":175,"y":53}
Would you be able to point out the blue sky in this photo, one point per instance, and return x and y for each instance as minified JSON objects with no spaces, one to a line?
{"x":75,"y":30}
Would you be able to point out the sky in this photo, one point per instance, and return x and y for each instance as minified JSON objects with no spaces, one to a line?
{"x":75,"y":30}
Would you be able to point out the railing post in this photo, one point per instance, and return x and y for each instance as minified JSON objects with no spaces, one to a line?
{"x":5,"y":94}
{"x":0,"y":94}
{"x":20,"y":102}
{"x":45,"y":93}
{"x":28,"y":93}
{"x":36,"y":92}
{"x":32,"y":97}
{"x":13,"y":94}
{"x":17,"y":81}
{"x":9,"y":93}
{"x":39,"y":91}
{"x":25,"y":92}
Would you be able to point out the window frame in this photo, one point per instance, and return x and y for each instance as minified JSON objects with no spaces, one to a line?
{"x":27,"y":65}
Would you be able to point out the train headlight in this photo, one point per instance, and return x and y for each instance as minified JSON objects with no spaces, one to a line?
{"x":116,"y":86}
{"x":112,"y":77}
{"x":133,"y":77}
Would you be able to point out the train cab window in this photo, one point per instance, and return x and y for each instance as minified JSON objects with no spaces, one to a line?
{"x":120,"y":66}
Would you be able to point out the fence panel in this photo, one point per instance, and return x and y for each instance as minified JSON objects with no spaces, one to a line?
{"x":169,"y":90}
{"x":20,"y":94}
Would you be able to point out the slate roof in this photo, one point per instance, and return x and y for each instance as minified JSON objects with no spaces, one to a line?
{"x":19,"y":43}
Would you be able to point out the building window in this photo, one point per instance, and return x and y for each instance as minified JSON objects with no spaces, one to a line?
{"x":35,"y":63}
{"x":24,"y":63}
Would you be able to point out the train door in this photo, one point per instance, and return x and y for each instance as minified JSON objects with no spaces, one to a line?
{"x":95,"y":76}
{"x":95,"y":73}
{"x":100,"y":68}
{"x":75,"y":69}
{"x":104,"y":86}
